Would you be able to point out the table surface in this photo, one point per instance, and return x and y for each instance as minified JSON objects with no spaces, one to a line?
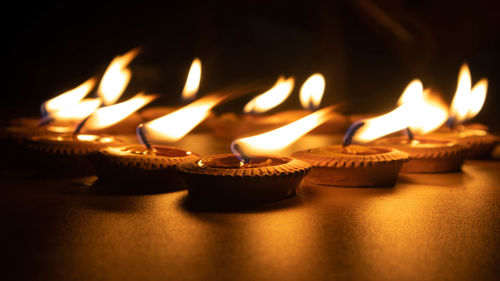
{"x":426,"y":227}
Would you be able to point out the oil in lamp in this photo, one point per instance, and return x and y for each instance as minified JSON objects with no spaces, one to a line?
{"x":154,"y":165}
{"x":466,"y":104}
{"x":253,"y":173}
{"x":67,"y":153}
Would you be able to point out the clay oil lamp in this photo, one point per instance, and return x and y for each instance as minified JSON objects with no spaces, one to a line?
{"x":466,"y":104}
{"x":62,"y":113}
{"x":188,"y":94}
{"x":254,"y":120}
{"x":67,"y":153}
{"x":254,"y":173}
{"x":428,"y":154}
{"x":153,"y":163}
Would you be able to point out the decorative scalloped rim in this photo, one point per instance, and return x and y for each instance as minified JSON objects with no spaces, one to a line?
{"x":291,"y":168}
{"x":454,"y":149}
{"x":393,"y":157}
{"x":487,"y":139}
{"x":67,"y":147}
{"x":147,"y":162}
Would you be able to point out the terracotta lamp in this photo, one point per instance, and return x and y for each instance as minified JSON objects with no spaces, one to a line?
{"x":255,"y":172}
{"x":466,"y":104}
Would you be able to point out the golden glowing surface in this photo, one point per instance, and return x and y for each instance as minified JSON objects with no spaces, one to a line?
{"x":272,"y":98}
{"x":163,"y":151}
{"x":428,"y":226}
{"x":312,"y":91}
{"x":192,"y":81}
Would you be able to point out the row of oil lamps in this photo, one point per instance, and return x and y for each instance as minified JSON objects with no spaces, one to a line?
{"x":79,"y":136}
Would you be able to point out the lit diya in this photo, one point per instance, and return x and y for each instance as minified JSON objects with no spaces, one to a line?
{"x":150,"y":164}
{"x":255,"y":119}
{"x":67,"y":153}
{"x":252,"y":174}
{"x":466,"y":104}
{"x":64,"y":112}
{"x":379,"y":164}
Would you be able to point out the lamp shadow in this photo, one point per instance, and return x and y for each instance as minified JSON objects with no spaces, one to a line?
{"x":104,"y":188}
{"x":193,"y":205}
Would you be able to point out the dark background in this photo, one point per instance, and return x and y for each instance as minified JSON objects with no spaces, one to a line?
{"x":367,"y":50}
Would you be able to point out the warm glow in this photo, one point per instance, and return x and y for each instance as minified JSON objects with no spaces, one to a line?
{"x":174,"y":126}
{"x":116,"y":78}
{"x":418,"y":110}
{"x":110,"y":115}
{"x":273,"y":97}
{"x":77,"y":111}
{"x":467,"y":102}
{"x":312,"y":91}
{"x":282,"y":137}
{"x":69,"y":98}
{"x":192,"y":81}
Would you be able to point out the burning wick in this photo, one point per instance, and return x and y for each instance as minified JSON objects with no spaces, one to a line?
{"x":409,"y":133}
{"x":80,"y":125}
{"x":142,"y":137}
{"x":347,"y":140}
{"x":238,"y":151}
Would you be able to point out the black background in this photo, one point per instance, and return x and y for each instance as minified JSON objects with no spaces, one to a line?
{"x":368,"y":50}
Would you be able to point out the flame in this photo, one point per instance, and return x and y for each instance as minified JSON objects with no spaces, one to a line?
{"x":116,"y":78}
{"x":68,"y":98}
{"x":192,"y":81}
{"x":312,"y":91}
{"x":467,"y":103}
{"x":77,"y":111}
{"x":112,"y":114}
{"x":418,"y":110}
{"x":273,"y":97}
{"x":282,"y":137}
{"x":174,"y":126}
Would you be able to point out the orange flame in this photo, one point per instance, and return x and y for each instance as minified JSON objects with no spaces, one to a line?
{"x":273,"y":97}
{"x":282,"y":137}
{"x":467,"y":102}
{"x":192,"y":81}
{"x":418,"y":110}
{"x":116,"y":78}
{"x":77,"y":111}
{"x":112,"y":114}
{"x":69,"y":98}
{"x":312,"y":91}
{"x":174,"y":126}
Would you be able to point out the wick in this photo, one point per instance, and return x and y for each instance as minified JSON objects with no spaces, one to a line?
{"x":409,"y":133}
{"x":45,"y":121}
{"x":236,"y":148}
{"x":351,"y":132}
{"x":142,"y":137}
{"x":80,"y":126}
{"x":451,"y":123}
